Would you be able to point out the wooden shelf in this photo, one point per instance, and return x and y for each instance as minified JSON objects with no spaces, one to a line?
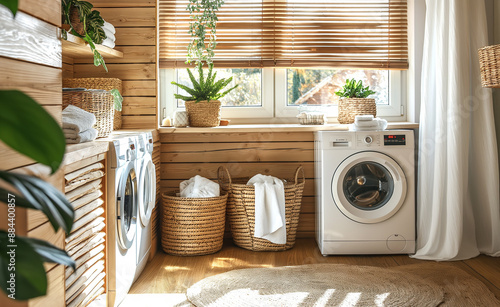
{"x":75,"y":47}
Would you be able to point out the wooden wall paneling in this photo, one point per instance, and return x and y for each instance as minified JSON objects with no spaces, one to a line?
{"x":48,"y":10}
{"x":67,"y":67}
{"x":40,"y":82}
{"x":121,"y":71}
{"x":139,"y":88}
{"x":29,"y":39}
{"x":236,"y":137}
{"x":129,"y":16}
{"x":123,"y":3}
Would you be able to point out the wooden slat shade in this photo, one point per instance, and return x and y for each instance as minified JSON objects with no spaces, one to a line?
{"x":369,"y":34}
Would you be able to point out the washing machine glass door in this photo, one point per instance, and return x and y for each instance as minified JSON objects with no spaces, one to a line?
{"x":126,"y":209}
{"x":147,"y":191}
{"x":369,"y":187}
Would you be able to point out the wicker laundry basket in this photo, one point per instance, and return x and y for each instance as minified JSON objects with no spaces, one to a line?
{"x":203,"y":113}
{"x":98,"y":102}
{"x":100,"y":84}
{"x":241,"y":211}
{"x":350,"y":107}
{"x":489,"y":61}
{"x":192,"y":226}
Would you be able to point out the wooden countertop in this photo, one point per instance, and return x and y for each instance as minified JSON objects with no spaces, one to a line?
{"x":277,"y":128}
{"x":77,"y":152}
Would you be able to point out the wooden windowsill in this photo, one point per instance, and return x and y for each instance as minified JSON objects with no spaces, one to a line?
{"x":276,"y":128}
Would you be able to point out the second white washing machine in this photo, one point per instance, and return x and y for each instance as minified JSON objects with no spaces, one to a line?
{"x":365,"y":192}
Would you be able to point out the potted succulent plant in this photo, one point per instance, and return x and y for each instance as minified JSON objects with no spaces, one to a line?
{"x":82,"y":21}
{"x":354,"y":101}
{"x":203,"y":105}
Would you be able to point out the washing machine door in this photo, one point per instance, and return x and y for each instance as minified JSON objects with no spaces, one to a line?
{"x":147,"y":190}
{"x":126,"y":207}
{"x":369,"y":187}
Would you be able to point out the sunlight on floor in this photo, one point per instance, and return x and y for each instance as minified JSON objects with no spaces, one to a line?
{"x":173,"y":268}
{"x":225,"y":263}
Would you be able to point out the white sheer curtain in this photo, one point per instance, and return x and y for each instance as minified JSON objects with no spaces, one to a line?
{"x":458,"y":203}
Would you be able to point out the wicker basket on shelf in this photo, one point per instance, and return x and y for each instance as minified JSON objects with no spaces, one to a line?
{"x":350,"y":107}
{"x":241,"y":211}
{"x":98,"y":102}
{"x":192,"y":226}
{"x":203,"y":113}
{"x":489,"y":61}
{"x":101,"y":84}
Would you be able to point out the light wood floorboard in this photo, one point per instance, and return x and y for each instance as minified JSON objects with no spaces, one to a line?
{"x":173,"y":274}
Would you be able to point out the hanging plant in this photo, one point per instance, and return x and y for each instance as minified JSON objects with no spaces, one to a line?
{"x":203,"y":24}
{"x":86,"y":24}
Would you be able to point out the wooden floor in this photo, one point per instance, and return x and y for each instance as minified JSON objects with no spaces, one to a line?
{"x":172,"y":274}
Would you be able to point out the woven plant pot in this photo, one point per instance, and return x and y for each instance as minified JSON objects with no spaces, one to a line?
{"x":350,"y":107}
{"x":100,"y":84}
{"x":203,"y":113}
{"x":241,"y":210}
{"x":489,"y":62}
{"x":192,"y":226}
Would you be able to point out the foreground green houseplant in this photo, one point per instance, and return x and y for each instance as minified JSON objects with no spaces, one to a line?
{"x":354,"y":101}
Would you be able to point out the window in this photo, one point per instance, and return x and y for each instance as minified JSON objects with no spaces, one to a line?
{"x":287,"y":53}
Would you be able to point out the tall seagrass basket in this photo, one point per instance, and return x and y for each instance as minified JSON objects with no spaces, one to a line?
{"x":489,"y":61}
{"x":241,"y":210}
{"x":192,"y":226}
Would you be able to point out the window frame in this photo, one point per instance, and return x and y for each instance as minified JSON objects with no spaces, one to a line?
{"x":274,"y":98}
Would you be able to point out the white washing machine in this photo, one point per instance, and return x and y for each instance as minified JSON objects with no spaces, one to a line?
{"x":147,"y":199}
{"x":365,"y":192}
{"x":122,"y":217}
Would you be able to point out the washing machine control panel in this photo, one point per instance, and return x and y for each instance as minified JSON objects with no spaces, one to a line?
{"x":368,"y":140}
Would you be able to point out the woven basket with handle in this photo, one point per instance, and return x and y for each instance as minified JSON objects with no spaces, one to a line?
{"x":203,"y":113}
{"x":98,"y":102}
{"x":241,"y":210}
{"x":192,"y":226}
{"x":350,"y":107}
{"x":101,"y":84}
{"x":489,"y":61}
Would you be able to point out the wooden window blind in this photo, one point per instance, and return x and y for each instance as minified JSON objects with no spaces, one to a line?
{"x":369,"y":34}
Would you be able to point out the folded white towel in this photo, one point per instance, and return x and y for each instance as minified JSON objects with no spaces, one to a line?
{"x":109,"y":35}
{"x":82,"y":137}
{"x":108,"y":43}
{"x":376,"y":124}
{"x":366,"y":123}
{"x":77,"y":119}
{"x":109,"y":27}
{"x":270,"y":223}
{"x":199,"y":186}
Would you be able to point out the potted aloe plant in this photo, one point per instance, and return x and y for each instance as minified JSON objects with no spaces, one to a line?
{"x":203,"y":105}
{"x":354,"y":101}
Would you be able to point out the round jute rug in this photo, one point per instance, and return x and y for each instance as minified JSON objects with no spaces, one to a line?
{"x":342,"y":285}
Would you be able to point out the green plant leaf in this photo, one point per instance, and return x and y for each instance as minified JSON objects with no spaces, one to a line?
{"x":187,"y":89}
{"x":118,"y":99}
{"x":30,"y":278}
{"x":40,"y":195}
{"x":11,"y":5}
{"x":50,"y":253}
{"x":27,"y":128}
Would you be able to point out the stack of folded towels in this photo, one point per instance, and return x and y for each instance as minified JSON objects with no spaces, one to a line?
{"x":110,"y":32}
{"x":368,"y":122}
{"x":77,"y":125}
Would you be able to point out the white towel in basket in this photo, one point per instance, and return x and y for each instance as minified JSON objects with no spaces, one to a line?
{"x":199,"y":186}
{"x":270,"y":223}
{"x":77,"y":119}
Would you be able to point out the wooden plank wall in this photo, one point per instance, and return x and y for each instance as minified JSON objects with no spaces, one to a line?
{"x":33,"y":65}
{"x":135,"y":23}
{"x":184,"y":155}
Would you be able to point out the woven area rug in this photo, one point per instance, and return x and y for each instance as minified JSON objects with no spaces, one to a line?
{"x":427,"y":284}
